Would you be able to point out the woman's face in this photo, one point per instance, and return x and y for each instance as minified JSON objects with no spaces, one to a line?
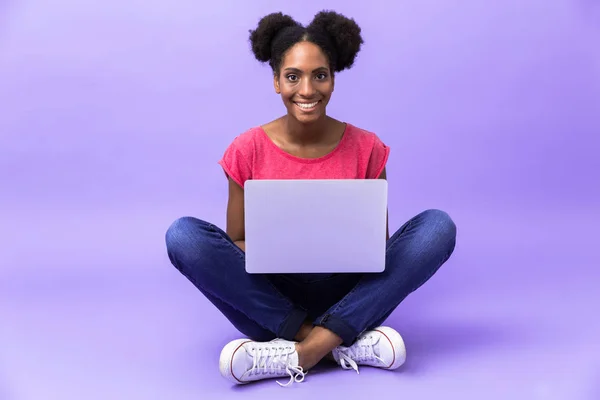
{"x":305,"y":82}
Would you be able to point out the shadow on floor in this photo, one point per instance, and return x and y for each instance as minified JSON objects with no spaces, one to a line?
{"x":430,"y":342}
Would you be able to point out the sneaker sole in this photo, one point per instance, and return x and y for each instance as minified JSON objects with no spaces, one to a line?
{"x":397,"y":344}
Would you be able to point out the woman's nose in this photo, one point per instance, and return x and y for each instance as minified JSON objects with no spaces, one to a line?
{"x":306,"y":88}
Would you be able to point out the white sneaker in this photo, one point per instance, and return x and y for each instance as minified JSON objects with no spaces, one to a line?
{"x":382,"y":347}
{"x":243,"y":361}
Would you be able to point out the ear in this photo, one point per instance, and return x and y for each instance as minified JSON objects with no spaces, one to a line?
{"x":276,"y":84}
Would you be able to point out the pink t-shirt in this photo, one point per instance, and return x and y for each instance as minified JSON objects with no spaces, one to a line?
{"x":253,"y":155}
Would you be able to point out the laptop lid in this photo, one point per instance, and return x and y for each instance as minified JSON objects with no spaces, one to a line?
{"x":315,"y":226}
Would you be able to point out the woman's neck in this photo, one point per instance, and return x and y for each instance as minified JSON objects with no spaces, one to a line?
{"x":300,"y":133}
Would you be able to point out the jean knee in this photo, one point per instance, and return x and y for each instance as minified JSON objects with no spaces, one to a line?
{"x":441,"y":219}
{"x":183,"y":235}
{"x":177,"y":231}
{"x":442,"y":226}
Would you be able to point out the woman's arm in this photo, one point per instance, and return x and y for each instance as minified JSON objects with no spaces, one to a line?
{"x":235,"y":215}
{"x":387,"y":223}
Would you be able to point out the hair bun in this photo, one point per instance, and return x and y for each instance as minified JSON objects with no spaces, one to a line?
{"x":268,"y":28}
{"x":345,"y":34}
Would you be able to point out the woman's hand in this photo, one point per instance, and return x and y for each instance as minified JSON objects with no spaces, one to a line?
{"x":241,"y":244}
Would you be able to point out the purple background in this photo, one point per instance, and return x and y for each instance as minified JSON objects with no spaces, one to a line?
{"x":113,"y":115}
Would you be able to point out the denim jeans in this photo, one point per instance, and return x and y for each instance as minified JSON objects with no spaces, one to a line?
{"x":268,"y":306}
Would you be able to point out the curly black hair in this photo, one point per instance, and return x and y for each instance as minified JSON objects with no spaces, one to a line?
{"x":338,"y":36}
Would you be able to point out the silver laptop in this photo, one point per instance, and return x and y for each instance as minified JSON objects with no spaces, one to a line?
{"x":315,"y":226}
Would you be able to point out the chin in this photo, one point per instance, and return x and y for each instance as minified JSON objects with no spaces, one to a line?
{"x":307,"y":119}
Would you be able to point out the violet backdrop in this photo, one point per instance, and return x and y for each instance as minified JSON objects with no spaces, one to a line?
{"x":113,"y":116}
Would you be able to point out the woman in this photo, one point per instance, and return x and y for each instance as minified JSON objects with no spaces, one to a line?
{"x":294,"y":321}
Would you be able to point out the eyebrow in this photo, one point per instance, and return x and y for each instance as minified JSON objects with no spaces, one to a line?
{"x":292,"y":69}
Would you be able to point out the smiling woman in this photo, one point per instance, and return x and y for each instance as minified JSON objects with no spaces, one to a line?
{"x":304,"y":60}
{"x":292,"y":322}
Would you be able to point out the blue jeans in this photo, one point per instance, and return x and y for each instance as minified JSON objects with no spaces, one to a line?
{"x":268,"y":306}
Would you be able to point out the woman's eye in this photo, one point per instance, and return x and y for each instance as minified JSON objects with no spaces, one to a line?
{"x":321,"y":76}
{"x":292,"y":77}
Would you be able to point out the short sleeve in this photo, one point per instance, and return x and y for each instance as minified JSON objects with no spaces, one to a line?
{"x":380,"y":153}
{"x":235,"y":163}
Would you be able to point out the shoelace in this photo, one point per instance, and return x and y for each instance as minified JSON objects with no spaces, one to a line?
{"x":361,"y":351}
{"x":273,"y":359}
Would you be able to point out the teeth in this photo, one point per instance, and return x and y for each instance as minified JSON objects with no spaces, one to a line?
{"x":311,"y":105}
